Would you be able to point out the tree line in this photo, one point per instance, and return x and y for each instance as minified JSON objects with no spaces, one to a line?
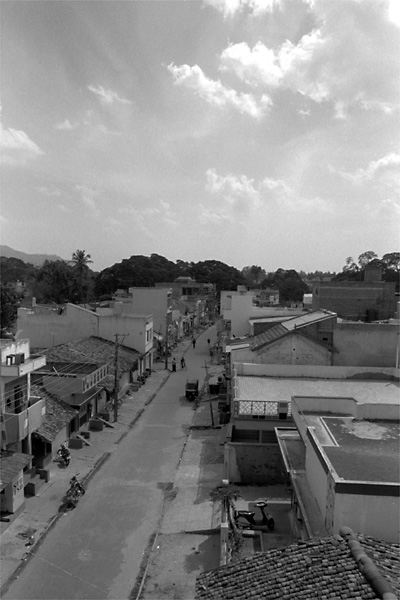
{"x":74,"y":281}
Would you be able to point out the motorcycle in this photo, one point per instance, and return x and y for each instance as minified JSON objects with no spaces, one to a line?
{"x":246,"y":518}
{"x":76,"y":486}
{"x":75,"y":491}
{"x":63,"y":455}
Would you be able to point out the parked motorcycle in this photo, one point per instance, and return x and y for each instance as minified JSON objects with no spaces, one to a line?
{"x":64,"y":455}
{"x":246,"y":518}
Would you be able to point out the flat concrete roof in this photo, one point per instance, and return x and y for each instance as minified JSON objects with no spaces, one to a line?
{"x":364,"y":450}
{"x":282,"y":389}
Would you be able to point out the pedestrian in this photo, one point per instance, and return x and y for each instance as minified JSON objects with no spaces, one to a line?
{"x":173,"y":365}
{"x":183,"y":363}
{"x":194,"y":343}
{"x":208,"y":341}
{"x":211,"y":353}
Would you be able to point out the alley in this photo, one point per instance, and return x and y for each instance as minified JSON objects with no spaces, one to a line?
{"x":98,"y":550}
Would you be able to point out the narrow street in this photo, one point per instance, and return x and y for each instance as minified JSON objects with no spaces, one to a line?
{"x":98,"y":550}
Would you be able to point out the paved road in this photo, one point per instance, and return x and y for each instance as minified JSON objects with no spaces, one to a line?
{"x":97,"y":551}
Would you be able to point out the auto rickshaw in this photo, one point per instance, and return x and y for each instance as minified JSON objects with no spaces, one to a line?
{"x":192,"y":389}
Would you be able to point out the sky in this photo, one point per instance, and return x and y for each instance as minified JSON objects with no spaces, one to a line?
{"x":253,"y":132}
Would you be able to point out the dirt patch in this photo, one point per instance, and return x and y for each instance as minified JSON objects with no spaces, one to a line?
{"x":176,"y":561}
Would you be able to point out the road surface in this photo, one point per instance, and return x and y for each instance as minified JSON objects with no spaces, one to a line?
{"x":98,"y":550}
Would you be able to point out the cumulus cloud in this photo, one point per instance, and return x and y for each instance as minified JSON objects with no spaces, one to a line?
{"x":385,"y":169}
{"x":17,"y":148}
{"x":256,"y":66}
{"x":65,"y":125}
{"x":215,"y":93}
{"x":348,"y":58}
{"x":236,"y":189}
{"x":238,"y":193}
{"x":107,"y":97}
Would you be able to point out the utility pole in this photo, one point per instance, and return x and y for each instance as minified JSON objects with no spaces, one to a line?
{"x":117,"y":344}
{"x":209,"y":395}
{"x":166,"y":341}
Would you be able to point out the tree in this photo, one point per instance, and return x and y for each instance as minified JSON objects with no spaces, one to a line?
{"x":54,"y":282}
{"x":366,"y":257}
{"x":350,"y":266}
{"x":253,"y":275}
{"x":392,"y":260}
{"x":8,"y":308}
{"x":80,"y":261}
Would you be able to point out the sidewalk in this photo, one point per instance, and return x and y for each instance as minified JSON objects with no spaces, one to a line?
{"x":191,"y":509}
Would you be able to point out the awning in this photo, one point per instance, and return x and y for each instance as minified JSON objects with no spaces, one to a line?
{"x":158,"y":336}
{"x":81,"y":399}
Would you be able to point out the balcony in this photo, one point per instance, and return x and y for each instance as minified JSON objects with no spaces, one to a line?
{"x":17,"y":366}
{"x":18,"y":426}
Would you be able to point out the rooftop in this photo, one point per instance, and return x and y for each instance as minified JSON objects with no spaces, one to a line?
{"x":354,"y":442}
{"x":283,"y":389}
{"x":317,"y":568}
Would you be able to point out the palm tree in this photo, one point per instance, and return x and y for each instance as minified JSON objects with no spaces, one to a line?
{"x":80,"y":261}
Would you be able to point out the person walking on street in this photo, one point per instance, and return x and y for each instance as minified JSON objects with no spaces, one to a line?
{"x":173,"y":365}
{"x":194,"y":343}
{"x":183,"y":363}
{"x":208,"y":341}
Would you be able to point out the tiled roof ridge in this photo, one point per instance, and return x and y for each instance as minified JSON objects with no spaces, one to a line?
{"x":292,"y":571}
{"x":367,"y":567}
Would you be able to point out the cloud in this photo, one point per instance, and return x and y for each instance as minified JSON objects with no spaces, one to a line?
{"x":107,"y":97}
{"x":88,"y":195}
{"x":65,"y":125}
{"x":385,"y":169}
{"x":215,"y":93}
{"x":257,"y":66}
{"x":255,"y":7}
{"x":348,"y":58}
{"x":17,"y":148}
{"x":233,"y":188}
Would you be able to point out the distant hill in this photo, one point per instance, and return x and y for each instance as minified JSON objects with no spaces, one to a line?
{"x":33,"y":259}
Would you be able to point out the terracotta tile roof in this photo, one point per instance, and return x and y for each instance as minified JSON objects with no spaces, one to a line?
{"x":58,"y":414}
{"x":319,"y":568}
{"x":93,"y":350}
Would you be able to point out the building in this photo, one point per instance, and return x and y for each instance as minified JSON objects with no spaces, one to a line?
{"x":270,"y":401}
{"x":317,"y":338}
{"x":82,"y":373}
{"x":48,"y":326}
{"x":22,"y":413}
{"x":368,"y":300}
{"x":238,"y":311}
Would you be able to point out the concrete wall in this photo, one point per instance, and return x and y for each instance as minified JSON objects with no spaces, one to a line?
{"x":13,"y":496}
{"x":317,"y":476}
{"x":366,"y":344}
{"x":351,"y":299}
{"x":133,"y":327}
{"x":294,"y":350}
{"x":10,"y":347}
{"x":254,"y":464}
{"x":47,"y":328}
{"x":154,"y":301}
{"x":316,"y":372}
{"x":377,"y":516}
